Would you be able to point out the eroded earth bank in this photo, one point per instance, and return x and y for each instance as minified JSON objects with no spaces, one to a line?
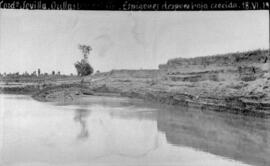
{"x":236,"y":82}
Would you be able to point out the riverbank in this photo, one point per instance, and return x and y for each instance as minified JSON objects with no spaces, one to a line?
{"x":236,"y":82}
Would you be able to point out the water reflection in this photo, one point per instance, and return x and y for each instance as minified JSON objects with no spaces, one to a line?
{"x":127,"y":132}
{"x":238,"y":137}
{"x":81,"y":115}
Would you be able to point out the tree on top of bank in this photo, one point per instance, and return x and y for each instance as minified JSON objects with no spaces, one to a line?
{"x":83,"y":67}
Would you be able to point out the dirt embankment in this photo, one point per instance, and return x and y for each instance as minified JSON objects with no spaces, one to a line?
{"x":27,"y":84}
{"x":237,"y":82}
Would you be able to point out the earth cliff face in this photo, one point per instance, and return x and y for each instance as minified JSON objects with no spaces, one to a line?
{"x":237,"y":82}
{"x":247,"y":66}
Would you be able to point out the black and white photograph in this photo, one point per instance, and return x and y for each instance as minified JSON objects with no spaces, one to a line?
{"x":134,"y":87}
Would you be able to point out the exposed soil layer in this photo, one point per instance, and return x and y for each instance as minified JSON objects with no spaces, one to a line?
{"x":237,"y":82}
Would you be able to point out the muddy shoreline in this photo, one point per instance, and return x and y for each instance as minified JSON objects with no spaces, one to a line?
{"x":236,"y":82}
{"x":73,"y":92}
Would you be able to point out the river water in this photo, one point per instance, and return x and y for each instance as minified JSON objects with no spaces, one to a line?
{"x":123,"y":132}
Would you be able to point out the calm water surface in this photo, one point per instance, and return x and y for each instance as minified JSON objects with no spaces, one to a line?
{"x":121,"y":131}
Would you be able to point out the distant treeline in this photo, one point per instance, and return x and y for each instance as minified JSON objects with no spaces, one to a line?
{"x":35,"y":76}
{"x":34,"y":73}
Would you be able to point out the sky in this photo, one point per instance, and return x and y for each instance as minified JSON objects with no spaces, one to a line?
{"x":123,"y":39}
